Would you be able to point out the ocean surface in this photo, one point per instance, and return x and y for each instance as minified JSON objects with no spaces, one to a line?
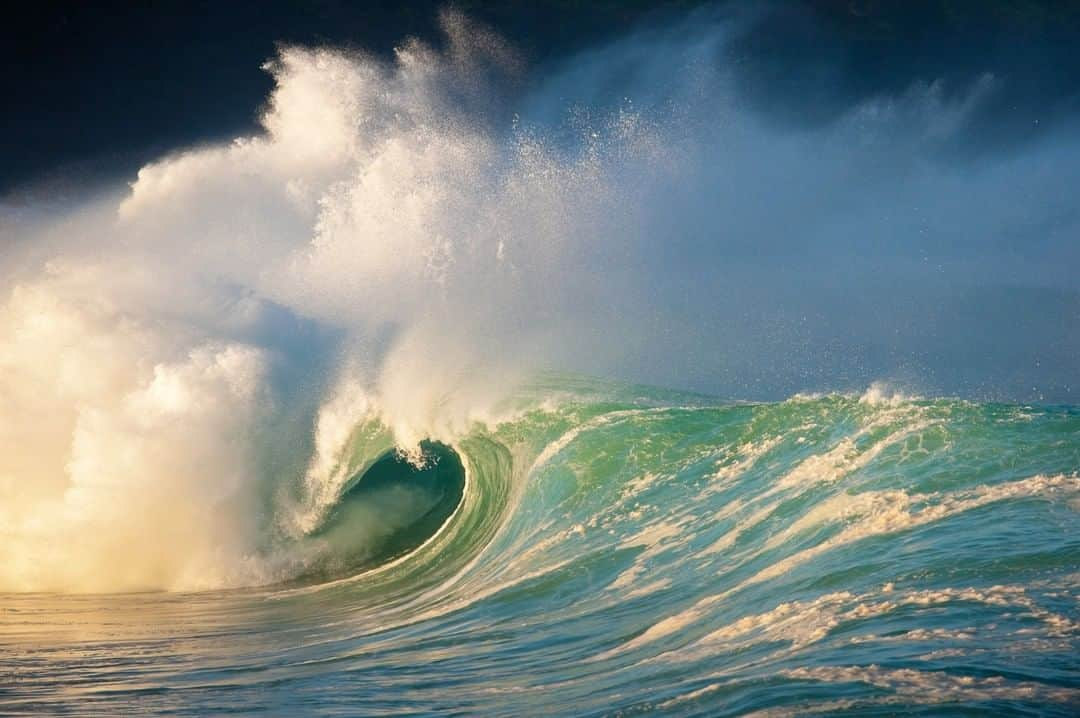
{"x":604,"y":549}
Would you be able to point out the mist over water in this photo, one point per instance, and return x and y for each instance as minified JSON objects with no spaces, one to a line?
{"x":185,"y":361}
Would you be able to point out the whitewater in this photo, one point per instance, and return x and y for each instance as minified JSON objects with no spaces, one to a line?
{"x":307,"y":421}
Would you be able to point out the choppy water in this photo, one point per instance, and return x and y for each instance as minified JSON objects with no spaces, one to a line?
{"x":621,"y":551}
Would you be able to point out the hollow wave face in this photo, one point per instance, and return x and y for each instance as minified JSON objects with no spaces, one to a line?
{"x":394,"y":507}
{"x":296,"y":377}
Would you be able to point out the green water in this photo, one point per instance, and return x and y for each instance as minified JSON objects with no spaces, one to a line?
{"x":613,"y":550}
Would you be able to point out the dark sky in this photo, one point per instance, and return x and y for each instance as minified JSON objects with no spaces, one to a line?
{"x":96,"y":88}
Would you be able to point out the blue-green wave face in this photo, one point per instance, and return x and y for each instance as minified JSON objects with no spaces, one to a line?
{"x":624,"y":551}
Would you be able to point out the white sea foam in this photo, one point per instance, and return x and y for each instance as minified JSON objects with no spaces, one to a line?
{"x":938,"y":686}
{"x":867,"y":514}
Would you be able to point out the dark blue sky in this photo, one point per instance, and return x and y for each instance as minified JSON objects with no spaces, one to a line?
{"x":102,"y":87}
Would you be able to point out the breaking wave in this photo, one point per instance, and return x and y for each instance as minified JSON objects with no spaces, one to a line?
{"x":296,"y":379}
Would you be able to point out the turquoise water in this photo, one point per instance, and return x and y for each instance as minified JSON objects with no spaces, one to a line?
{"x":614,"y":550}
